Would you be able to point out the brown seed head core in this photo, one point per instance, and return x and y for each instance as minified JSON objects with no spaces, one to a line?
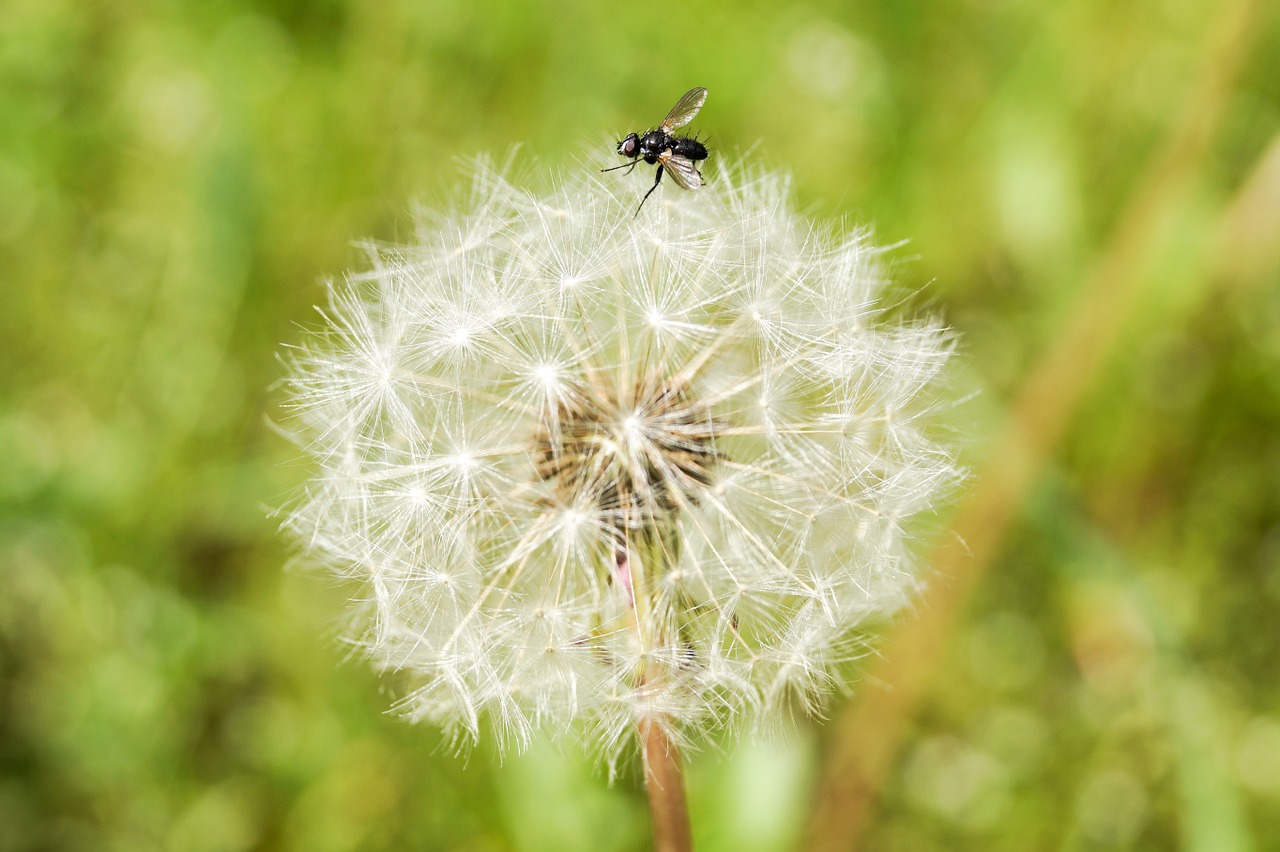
{"x":638,"y":453}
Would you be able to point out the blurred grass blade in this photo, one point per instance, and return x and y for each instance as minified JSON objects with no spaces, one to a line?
{"x":866,"y":735}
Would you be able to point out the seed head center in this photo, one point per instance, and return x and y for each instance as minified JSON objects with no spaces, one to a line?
{"x":635,"y":461}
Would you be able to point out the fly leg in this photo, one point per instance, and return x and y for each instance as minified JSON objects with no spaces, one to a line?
{"x":628,"y":166}
{"x":657,"y":180}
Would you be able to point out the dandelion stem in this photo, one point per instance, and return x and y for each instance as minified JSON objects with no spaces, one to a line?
{"x":664,"y":782}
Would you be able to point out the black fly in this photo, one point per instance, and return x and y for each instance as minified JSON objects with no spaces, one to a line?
{"x":677,"y":155}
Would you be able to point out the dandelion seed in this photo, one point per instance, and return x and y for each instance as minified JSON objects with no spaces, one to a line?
{"x":600,"y":474}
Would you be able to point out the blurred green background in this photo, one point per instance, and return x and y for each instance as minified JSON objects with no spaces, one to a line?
{"x":178,"y":179}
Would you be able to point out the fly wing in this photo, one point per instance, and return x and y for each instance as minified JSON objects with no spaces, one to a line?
{"x":685,"y":109}
{"x":681,"y":169}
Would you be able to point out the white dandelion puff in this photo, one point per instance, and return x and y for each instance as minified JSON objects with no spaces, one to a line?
{"x":596,"y":471}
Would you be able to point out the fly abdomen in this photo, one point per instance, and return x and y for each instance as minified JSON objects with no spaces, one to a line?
{"x":690,"y":149}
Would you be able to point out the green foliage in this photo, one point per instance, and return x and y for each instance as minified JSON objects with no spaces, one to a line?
{"x":176,"y":180}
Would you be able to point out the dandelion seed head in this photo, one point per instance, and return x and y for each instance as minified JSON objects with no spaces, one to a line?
{"x":593,"y":469}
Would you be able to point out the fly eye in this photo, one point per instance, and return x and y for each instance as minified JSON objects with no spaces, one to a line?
{"x":627,"y":147}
